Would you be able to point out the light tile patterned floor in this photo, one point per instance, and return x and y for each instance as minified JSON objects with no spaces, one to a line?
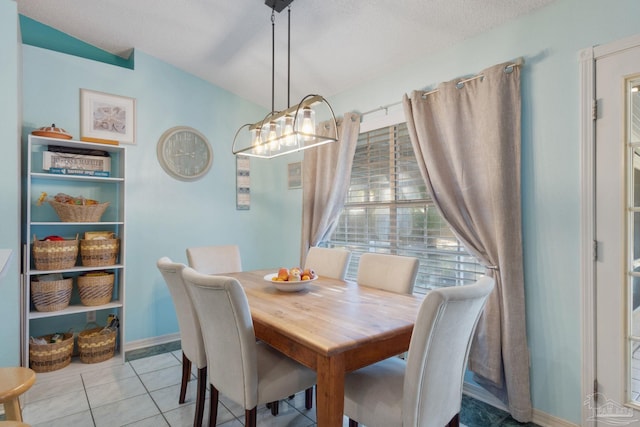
{"x":144,"y":392}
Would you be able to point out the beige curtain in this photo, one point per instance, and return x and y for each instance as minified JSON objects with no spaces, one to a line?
{"x":467,"y":141}
{"x":326,"y":172}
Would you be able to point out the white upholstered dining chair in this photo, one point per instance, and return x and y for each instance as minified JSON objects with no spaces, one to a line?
{"x":253,"y":373}
{"x":328,"y":262}
{"x":193,"y":350}
{"x":426,"y":390}
{"x":215,"y":259}
{"x":393,"y":273}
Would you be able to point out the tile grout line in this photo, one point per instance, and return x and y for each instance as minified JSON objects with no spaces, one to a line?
{"x":86,"y":394}
{"x":150,"y":396}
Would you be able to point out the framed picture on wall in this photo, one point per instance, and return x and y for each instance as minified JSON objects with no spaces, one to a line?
{"x":243,"y":183}
{"x":105,"y":117}
{"x":294,"y":175}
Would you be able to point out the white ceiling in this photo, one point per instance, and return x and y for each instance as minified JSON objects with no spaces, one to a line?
{"x":335,"y":44}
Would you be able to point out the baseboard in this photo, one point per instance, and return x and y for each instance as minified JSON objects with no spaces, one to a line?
{"x":540,"y":418}
{"x":545,"y":420}
{"x":150,"y":342}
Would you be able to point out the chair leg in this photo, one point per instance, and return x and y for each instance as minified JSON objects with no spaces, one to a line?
{"x":213,"y":406}
{"x":250,"y":416}
{"x":455,"y":421}
{"x":186,"y":374}
{"x":275,"y":407}
{"x":12,"y":409}
{"x":308,"y":398}
{"x":353,"y":423}
{"x":200,"y":396}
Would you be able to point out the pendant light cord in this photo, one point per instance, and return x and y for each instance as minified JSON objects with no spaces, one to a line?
{"x":289,"y":59}
{"x":273,"y":57}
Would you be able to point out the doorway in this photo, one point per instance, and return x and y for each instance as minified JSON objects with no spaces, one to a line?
{"x":611,"y":233}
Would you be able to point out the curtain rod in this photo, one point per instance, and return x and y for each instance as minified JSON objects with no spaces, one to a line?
{"x":507,"y":69}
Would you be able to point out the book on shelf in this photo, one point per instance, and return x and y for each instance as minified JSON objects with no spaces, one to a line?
{"x":83,"y":172}
{"x":62,"y":160}
{"x":78,"y":150}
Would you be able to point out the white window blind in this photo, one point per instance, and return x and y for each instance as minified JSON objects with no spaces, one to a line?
{"x":389,"y":211}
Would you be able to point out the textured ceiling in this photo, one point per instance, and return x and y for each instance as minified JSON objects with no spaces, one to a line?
{"x":335,"y":44}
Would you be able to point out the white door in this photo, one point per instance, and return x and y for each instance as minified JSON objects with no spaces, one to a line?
{"x":617,"y":232}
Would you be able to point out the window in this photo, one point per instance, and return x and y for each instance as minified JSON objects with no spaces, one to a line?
{"x":388,"y":210}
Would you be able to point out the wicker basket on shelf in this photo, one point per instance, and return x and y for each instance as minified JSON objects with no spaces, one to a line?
{"x":99,"y":252}
{"x":79,"y":213}
{"x":94,"y":289}
{"x":96,"y":344}
{"x":51,"y":356}
{"x":51,"y":295}
{"x":55,"y":254}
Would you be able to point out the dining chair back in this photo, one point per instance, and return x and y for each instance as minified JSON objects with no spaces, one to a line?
{"x":253,"y":373}
{"x":328,"y":262}
{"x":426,"y":390}
{"x":393,"y":273}
{"x":193,"y":350}
{"x":215,"y":259}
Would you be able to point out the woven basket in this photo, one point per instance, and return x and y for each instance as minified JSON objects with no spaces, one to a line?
{"x":55,"y":255}
{"x":79,"y":213}
{"x":95,"y":290}
{"x":51,"y":357}
{"x":51,"y":296}
{"x":99,"y":252}
{"x":96,"y":345}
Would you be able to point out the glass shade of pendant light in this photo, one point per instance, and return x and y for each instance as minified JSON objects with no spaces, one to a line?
{"x":308,"y":126}
{"x":272,"y":136}
{"x":287,"y":131}
{"x":290,"y":130}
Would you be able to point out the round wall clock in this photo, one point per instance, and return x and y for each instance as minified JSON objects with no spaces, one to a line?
{"x":184,"y":153}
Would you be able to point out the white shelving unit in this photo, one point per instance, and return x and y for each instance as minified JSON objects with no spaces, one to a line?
{"x":41,"y":221}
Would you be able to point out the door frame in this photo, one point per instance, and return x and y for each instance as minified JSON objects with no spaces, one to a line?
{"x":587,"y":81}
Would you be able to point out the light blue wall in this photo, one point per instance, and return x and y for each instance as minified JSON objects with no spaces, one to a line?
{"x":550,"y":41}
{"x":9,"y":183}
{"x":164,"y":216}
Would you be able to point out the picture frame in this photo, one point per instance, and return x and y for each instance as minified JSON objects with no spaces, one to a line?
{"x":243,"y":183}
{"x":294,"y":175}
{"x":106,"y":118}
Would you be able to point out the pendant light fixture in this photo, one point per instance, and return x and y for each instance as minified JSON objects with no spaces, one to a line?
{"x":290,"y":130}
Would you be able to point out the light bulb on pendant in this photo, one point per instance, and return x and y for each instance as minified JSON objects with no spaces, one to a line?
{"x":287,"y":131}
{"x":272,"y":140}
{"x":256,"y":139}
{"x":308,"y":126}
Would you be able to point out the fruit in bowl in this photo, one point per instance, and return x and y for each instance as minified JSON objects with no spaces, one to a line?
{"x":283,"y":275}
{"x":308,"y":274}
{"x":295,"y":274}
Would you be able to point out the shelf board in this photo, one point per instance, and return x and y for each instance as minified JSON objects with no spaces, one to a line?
{"x":49,"y":223}
{"x":79,"y":268}
{"x":43,"y":140}
{"x":73,"y":309}
{"x":54,"y":176}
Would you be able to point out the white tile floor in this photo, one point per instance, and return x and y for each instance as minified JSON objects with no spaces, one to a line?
{"x":140,"y":393}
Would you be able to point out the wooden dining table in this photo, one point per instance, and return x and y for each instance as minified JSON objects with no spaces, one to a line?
{"x":333,"y":327}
